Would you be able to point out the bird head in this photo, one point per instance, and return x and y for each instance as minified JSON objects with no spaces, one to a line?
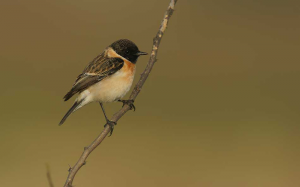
{"x":127,"y":49}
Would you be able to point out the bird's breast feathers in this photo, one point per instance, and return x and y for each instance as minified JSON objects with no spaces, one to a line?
{"x":115,"y":86}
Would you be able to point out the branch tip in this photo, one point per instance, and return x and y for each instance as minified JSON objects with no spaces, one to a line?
{"x":172,"y":4}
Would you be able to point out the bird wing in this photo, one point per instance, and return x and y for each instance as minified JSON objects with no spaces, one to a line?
{"x":100,"y":68}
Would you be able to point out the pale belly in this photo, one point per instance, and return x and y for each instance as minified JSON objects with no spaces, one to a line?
{"x":112,"y":88}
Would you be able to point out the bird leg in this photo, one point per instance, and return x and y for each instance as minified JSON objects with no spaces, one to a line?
{"x":129,"y":103}
{"x":108,"y":122}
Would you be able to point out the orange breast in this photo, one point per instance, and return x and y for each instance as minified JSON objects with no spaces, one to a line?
{"x":128,"y":66}
{"x":129,"y":70}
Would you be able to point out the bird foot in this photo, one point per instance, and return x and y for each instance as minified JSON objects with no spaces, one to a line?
{"x":129,"y":103}
{"x":111,"y":124}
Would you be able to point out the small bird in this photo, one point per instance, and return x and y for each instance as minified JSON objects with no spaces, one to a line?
{"x":107,"y":78}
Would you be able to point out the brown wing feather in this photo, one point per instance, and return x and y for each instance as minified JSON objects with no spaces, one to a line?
{"x":100,"y":68}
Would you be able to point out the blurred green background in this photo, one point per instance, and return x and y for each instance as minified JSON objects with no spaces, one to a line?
{"x":220,"y":108}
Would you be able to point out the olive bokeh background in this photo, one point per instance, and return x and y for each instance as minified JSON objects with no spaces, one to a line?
{"x":220,"y":108}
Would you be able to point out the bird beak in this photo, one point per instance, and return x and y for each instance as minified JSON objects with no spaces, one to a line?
{"x":141,"y":53}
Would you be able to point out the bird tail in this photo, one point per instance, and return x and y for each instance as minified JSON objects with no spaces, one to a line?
{"x":70,"y":111}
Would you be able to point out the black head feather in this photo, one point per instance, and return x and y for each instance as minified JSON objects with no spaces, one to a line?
{"x":127,"y":49}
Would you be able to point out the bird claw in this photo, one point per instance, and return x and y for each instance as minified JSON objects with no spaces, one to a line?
{"x":111,"y":124}
{"x":129,"y":103}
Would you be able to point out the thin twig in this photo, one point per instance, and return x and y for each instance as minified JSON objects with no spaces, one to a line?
{"x":134,"y":94}
{"x":49,"y":176}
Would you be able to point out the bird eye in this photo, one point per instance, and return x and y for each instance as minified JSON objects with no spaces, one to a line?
{"x":127,"y":52}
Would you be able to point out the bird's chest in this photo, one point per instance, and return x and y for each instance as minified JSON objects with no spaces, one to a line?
{"x":115,"y":86}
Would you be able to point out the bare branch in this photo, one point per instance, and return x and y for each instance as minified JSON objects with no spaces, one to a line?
{"x":134,"y":94}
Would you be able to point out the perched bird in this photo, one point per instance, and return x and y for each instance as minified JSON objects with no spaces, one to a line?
{"x":107,"y":78}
